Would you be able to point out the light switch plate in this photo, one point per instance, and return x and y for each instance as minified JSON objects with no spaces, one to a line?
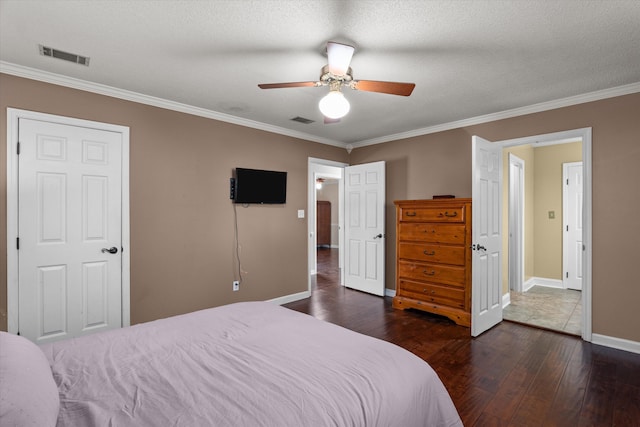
{"x":552,"y":214}
{"x":300,"y":213}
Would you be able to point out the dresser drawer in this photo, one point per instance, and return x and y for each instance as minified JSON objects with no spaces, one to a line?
{"x":432,"y":214}
{"x":432,"y":233}
{"x":431,"y":293}
{"x":454,"y":255}
{"x":432,"y":272}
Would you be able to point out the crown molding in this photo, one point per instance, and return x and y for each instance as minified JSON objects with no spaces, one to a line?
{"x":60,"y":80}
{"x":70,"y":82}
{"x":521,"y":111}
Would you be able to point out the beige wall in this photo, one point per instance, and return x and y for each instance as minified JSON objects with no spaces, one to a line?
{"x":440,"y":163}
{"x":548,"y":197}
{"x":543,"y":193}
{"x":180,"y":167}
{"x":182,"y":238}
{"x":524,"y":152}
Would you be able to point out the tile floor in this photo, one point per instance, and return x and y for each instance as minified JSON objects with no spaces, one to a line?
{"x":551,"y":308}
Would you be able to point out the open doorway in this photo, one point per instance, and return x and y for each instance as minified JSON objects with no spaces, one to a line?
{"x":362,"y":263}
{"x":538,"y":197}
{"x":324,"y":181}
{"x":327,"y":233}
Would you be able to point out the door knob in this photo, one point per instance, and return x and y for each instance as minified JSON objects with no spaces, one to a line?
{"x":379,"y":236}
{"x":112,"y":250}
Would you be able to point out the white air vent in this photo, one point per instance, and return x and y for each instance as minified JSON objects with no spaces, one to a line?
{"x":66,"y":56}
{"x":302,"y":120}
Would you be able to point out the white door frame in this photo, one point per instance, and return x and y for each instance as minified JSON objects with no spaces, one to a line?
{"x":516,"y":223}
{"x":564,"y":137}
{"x":325,"y":168}
{"x":13,"y":115}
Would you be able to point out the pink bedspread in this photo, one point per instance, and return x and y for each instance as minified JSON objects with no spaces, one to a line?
{"x":245,"y":364}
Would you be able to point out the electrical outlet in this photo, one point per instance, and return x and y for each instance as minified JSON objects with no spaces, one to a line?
{"x":236,"y":285}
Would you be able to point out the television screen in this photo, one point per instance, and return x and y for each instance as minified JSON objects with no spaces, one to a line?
{"x":260,"y":186}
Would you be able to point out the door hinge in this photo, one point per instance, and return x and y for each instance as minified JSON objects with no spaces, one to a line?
{"x":567,"y":228}
{"x":567,"y":275}
{"x":567,"y":181}
{"x":18,"y":148}
{"x":17,"y":243}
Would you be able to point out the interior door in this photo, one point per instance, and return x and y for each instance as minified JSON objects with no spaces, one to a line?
{"x":364,"y":190}
{"x":572,"y":225}
{"x":486,"y":295}
{"x":70,"y":230}
{"x":516,"y":222}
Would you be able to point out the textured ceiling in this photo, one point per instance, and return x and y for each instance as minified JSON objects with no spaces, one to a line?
{"x":467,"y":58}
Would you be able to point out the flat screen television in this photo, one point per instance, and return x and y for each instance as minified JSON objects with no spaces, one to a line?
{"x":259,"y":186}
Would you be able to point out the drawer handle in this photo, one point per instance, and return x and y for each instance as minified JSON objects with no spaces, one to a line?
{"x":411,"y":214}
{"x":448,"y":215}
{"x":426,"y":273}
{"x":425,"y":291}
{"x":429,"y":253}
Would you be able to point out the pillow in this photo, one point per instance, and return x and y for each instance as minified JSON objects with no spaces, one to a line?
{"x":28,"y":392}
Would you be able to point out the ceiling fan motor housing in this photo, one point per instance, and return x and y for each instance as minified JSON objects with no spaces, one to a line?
{"x":327,"y":76}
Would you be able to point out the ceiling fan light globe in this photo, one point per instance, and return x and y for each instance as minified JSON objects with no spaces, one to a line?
{"x":334,"y":105}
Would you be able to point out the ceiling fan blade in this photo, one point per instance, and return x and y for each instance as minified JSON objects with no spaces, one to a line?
{"x":285,"y":85}
{"x":339,"y":57}
{"x":392,"y":88}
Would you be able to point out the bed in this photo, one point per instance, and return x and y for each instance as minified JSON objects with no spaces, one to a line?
{"x":244,"y":364}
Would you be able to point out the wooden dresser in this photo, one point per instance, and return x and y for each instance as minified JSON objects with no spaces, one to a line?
{"x":433,"y":257}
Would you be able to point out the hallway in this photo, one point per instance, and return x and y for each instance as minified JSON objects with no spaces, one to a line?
{"x":545,"y":307}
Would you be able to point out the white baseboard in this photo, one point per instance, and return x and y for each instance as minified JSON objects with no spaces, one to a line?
{"x":389,"y":292}
{"x":613,"y":342}
{"x":542,"y":281}
{"x":528,"y":284}
{"x":506,"y":299}
{"x":290,"y":298}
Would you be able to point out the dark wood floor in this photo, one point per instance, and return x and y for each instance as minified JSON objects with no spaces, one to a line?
{"x":512,"y":375}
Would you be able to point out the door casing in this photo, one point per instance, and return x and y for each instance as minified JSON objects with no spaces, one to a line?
{"x":516,"y":223}
{"x":13,"y":116}
{"x":323,"y":168}
{"x":587,"y":253}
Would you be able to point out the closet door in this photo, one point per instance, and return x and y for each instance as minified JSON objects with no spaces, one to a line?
{"x":323,"y":219}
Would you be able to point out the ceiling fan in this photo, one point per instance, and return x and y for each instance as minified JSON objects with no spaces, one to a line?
{"x":337,"y":74}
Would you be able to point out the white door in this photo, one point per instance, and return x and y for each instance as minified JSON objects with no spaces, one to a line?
{"x":69,"y":229}
{"x":516,"y":222}
{"x":572,"y":225}
{"x":364,"y":190}
{"x":486,"y":295}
